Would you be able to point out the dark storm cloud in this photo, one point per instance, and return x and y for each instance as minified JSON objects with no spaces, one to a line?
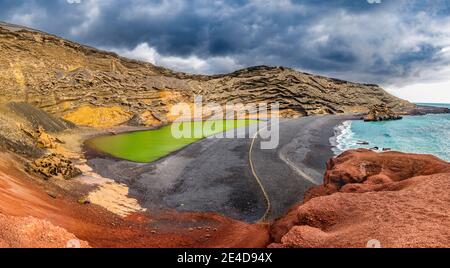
{"x":351,"y":39}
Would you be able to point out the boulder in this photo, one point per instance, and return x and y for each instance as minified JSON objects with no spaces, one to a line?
{"x":44,"y":140}
{"x":53,"y":166}
{"x":380,"y":112}
{"x":146,"y":119}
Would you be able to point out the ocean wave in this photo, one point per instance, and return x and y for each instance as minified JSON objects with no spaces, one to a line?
{"x":427,"y":134}
{"x":343,"y":138}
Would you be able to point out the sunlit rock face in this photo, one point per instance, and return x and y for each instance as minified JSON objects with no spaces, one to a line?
{"x":68,"y":79}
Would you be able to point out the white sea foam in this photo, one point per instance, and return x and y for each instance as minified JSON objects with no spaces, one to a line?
{"x":343,"y":138}
{"x":428,"y":134}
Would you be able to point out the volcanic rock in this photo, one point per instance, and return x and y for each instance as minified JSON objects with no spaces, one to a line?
{"x":45,"y":141}
{"x":91,"y":87}
{"x":380,"y":112}
{"x":29,"y":232}
{"x":400,"y":200}
{"x":21,"y":199}
{"x":54,"y":166}
{"x":144,"y":119}
{"x":423,"y":110}
{"x":38,"y":118}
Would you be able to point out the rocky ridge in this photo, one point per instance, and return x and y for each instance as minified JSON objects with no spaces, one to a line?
{"x":97,"y":88}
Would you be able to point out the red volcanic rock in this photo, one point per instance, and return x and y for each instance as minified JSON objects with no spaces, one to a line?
{"x":30,"y":217}
{"x":29,"y":232}
{"x":365,"y":171}
{"x":401,"y":200}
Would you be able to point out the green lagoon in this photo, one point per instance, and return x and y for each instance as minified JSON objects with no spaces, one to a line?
{"x":151,"y":145}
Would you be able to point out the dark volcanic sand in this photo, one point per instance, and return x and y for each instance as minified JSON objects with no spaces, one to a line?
{"x":214,"y":175}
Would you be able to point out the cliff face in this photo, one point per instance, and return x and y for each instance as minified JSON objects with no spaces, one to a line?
{"x":305,"y":93}
{"x":92,"y":87}
{"x":401,"y":200}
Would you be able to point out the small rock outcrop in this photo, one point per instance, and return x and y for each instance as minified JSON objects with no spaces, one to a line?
{"x":53,"y":166}
{"x":380,"y":112}
{"x":392,"y":198}
{"x":44,"y":140}
{"x":144,"y":119}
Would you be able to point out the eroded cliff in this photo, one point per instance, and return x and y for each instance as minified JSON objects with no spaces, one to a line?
{"x":97,"y":88}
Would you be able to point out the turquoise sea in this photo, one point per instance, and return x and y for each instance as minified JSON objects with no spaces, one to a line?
{"x":428,"y":134}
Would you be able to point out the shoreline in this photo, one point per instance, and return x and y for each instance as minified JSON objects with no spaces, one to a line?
{"x":299,"y":162}
{"x":312,"y":130}
{"x":90,"y":152}
{"x":306,"y":146}
{"x":217,"y":171}
{"x":424,"y":109}
{"x":391,"y":135}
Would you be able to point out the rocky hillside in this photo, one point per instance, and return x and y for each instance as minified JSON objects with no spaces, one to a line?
{"x":97,"y":88}
{"x":373,"y":199}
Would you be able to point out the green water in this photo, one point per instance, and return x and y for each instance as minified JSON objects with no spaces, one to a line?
{"x":151,"y":145}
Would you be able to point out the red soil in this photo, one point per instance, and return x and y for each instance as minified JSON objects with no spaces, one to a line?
{"x":21,"y":197}
{"x":401,"y":200}
{"x":29,"y":232}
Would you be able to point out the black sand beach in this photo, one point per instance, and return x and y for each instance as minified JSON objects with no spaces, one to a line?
{"x":214,"y":175}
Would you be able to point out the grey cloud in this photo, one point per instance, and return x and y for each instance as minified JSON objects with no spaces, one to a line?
{"x":377,"y":43}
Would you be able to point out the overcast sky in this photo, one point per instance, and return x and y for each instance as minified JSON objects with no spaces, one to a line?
{"x":404,"y":45}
